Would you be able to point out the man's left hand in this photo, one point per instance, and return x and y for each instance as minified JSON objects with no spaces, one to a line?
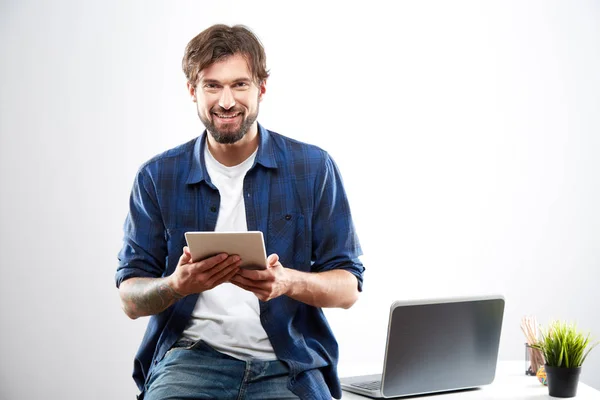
{"x":266,"y":284}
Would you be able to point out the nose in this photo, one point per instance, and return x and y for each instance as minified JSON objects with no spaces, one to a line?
{"x":226,"y":100}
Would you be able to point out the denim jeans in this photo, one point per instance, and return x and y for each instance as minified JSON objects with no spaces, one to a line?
{"x":197,"y":371}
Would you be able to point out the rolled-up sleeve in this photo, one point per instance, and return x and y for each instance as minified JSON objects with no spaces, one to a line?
{"x":335,"y":244}
{"x":144,"y":247}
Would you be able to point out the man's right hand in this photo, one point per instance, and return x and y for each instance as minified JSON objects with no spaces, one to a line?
{"x":196,"y":277}
{"x":149,"y":296}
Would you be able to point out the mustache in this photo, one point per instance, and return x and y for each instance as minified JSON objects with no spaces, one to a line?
{"x":221,"y":110}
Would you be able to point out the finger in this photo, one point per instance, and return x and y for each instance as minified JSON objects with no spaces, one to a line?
{"x":255,"y":275}
{"x":238,"y":278}
{"x":230,"y":260}
{"x":229,"y":277}
{"x":272,"y":260}
{"x":216,"y":273}
{"x":186,"y":257}
{"x":248,"y":283}
{"x":228,"y":273}
{"x":249,"y":288}
{"x":211,"y":262}
{"x":262,"y":294}
{"x":242,"y":286}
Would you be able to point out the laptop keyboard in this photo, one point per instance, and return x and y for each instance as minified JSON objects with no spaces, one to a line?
{"x":369,"y":385}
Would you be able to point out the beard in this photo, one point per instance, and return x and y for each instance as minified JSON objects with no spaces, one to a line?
{"x":231,"y":134}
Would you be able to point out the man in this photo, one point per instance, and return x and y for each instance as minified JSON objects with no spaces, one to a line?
{"x":217,"y":331}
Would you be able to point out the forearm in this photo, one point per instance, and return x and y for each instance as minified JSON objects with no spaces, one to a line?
{"x":141,"y":297}
{"x":336,"y":288}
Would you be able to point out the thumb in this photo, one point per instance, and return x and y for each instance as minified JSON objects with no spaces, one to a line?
{"x":186,"y":257}
{"x":272,"y":260}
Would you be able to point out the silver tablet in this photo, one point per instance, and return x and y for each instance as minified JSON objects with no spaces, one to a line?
{"x":250,"y":246}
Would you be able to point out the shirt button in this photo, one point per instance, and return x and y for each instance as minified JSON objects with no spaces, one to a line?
{"x":213,"y":208}
{"x":288,"y":217}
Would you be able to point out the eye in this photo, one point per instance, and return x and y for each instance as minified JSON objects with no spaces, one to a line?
{"x":241,"y":85}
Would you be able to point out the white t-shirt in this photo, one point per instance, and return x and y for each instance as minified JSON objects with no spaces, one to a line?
{"x":228,"y":317}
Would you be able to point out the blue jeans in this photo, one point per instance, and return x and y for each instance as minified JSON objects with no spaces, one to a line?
{"x":197,"y":371}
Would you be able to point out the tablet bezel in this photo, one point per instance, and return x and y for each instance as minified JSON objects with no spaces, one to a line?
{"x":250,"y":246}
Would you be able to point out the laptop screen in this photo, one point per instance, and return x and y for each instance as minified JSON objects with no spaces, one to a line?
{"x":438,"y":346}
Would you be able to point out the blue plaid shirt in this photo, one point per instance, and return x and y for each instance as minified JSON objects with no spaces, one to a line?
{"x":293,"y":194}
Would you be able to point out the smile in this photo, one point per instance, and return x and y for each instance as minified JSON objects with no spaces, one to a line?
{"x":223,"y":116}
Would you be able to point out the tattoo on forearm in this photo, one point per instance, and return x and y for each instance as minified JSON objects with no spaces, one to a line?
{"x":148,"y":298}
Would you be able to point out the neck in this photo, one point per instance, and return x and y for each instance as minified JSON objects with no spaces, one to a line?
{"x":234,"y":153}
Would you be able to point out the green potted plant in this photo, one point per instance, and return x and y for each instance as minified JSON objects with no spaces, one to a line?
{"x":565,"y":348}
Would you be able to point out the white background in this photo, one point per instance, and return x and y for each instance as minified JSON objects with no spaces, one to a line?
{"x":466,"y":133}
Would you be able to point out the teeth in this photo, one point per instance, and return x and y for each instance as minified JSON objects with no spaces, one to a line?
{"x":227,"y":116}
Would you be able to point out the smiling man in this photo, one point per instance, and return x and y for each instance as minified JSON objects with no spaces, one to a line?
{"x":217,"y":331}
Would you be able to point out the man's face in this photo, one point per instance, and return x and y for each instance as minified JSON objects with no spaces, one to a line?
{"x":227,"y":99}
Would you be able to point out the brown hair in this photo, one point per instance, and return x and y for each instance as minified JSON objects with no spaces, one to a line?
{"x":219,"y":42}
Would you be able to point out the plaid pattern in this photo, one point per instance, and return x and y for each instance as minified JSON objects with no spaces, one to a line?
{"x":293,"y":194}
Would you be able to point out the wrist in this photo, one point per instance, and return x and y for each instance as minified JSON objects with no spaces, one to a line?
{"x":172,"y":282}
{"x":295,"y":283}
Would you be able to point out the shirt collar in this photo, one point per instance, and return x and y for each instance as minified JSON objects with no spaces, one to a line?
{"x":264,"y":156}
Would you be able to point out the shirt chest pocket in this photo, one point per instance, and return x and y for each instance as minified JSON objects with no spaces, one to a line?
{"x":287,"y":237}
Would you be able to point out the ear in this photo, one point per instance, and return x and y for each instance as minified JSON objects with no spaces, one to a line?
{"x":262,"y":88}
{"x":192,"y":90}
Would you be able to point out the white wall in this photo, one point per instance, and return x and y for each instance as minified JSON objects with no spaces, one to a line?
{"x":466,"y":132}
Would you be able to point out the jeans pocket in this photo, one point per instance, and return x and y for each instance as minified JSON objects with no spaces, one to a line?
{"x":182,"y":344}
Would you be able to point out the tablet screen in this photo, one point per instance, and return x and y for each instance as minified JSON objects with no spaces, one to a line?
{"x":250,"y":246}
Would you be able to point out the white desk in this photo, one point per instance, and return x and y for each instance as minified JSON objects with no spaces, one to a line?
{"x":511,"y":383}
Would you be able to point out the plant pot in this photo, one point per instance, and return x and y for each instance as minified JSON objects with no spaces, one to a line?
{"x":562,"y":382}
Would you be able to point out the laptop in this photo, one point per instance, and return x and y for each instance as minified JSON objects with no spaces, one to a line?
{"x":436,"y":345}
